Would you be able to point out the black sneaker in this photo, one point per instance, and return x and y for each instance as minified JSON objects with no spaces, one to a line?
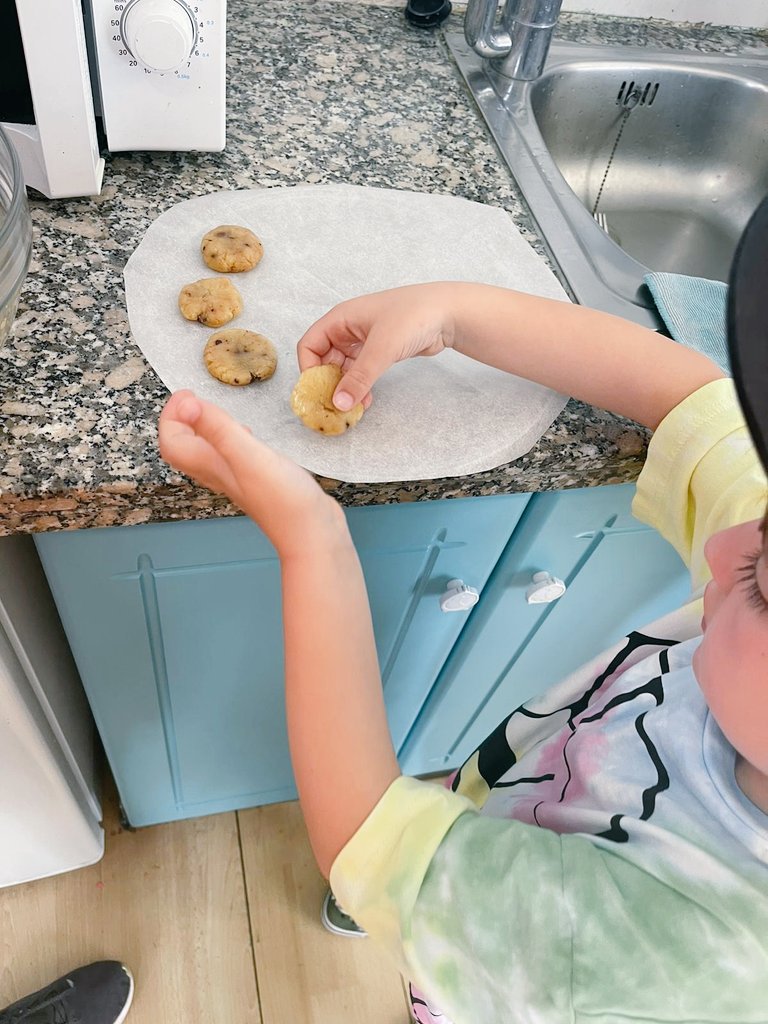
{"x":100,"y":993}
{"x":335,"y":920}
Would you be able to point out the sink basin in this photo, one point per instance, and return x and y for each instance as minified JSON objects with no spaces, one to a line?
{"x":671,"y":146}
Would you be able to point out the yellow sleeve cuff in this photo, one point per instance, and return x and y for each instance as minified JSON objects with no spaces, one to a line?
{"x":702,"y":474}
{"x":377,"y":876}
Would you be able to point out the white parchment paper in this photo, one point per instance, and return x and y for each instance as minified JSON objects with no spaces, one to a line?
{"x":442,"y":416}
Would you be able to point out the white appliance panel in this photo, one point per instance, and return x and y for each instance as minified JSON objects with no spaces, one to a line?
{"x":49,"y":802}
{"x":161,"y":71}
{"x":155,"y":70}
{"x":59,"y":153}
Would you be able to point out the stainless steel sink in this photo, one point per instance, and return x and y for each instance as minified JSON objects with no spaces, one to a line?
{"x":686,"y":137}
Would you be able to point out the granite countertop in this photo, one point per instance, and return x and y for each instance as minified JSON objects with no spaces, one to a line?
{"x":317,"y":92}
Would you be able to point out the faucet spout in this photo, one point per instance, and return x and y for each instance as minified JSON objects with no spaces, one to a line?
{"x":481,"y":32}
{"x":518,"y":45}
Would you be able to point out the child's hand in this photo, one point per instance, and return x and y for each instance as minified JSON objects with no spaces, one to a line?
{"x":201,"y":440}
{"x":365,"y":336}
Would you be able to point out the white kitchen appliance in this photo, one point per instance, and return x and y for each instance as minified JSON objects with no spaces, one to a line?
{"x":49,"y":797}
{"x":153,"y":71}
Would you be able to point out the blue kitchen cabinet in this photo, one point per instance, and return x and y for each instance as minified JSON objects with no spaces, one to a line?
{"x":619,"y":574}
{"x":177,"y":633}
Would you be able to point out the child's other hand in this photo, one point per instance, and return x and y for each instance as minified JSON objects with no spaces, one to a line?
{"x":205,"y":443}
{"x":365,"y":336}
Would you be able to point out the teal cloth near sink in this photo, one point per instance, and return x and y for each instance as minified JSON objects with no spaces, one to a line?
{"x":694,"y":311}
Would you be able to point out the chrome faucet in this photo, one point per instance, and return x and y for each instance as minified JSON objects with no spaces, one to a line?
{"x":518,"y":45}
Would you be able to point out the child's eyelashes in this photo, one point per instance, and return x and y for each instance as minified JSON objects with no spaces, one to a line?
{"x":747,"y":574}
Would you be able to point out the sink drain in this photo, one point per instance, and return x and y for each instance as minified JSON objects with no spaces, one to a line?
{"x":633,"y":94}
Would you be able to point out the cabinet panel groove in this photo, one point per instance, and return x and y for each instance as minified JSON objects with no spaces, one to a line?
{"x":152,"y":618}
{"x":432,"y":553}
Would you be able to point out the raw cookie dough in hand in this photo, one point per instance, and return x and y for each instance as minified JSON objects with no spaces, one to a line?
{"x":214,"y":301}
{"x":238,"y":357}
{"x":231,"y":249}
{"x":312,"y":401}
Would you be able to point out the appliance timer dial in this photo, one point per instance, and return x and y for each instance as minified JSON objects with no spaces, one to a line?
{"x":159,"y":33}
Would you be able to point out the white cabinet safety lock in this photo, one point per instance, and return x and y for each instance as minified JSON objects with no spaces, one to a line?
{"x":544,"y":588}
{"x":458,"y":597}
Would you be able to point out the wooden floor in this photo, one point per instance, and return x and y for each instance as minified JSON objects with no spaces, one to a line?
{"x":218,"y":919}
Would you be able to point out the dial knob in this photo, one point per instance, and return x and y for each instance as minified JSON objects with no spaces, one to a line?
{"x":159,"y":33}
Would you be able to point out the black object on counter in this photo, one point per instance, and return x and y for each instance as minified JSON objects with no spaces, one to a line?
{"x":427,"y":13}
{"x":747,"y":327}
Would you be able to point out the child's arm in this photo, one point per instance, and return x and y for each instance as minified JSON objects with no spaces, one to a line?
{"x":597,"y":358}
{"x":340,"y":747}
{"x":342,"y":755}
{"x":341,"y":751}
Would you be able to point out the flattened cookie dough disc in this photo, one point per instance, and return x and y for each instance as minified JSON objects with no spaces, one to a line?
{"x":231,"y":249}
{"x":312,"y":401}
{"x":238,"y":357}
{"x":214,"y":301}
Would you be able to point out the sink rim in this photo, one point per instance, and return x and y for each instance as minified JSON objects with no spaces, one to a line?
{"x":595,"y":270}
{"x":568,"y":52}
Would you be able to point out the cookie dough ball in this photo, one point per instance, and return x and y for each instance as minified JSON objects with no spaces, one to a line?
{"x":238,"y":357}
{"x":312,"y":401}
{"x":231,"y":249}
{"x":214,"y":301}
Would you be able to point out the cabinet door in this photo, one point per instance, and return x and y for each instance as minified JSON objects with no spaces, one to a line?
{"x":177,"y":633}
{"x":409,"y":553}
{"x":619,"y":576}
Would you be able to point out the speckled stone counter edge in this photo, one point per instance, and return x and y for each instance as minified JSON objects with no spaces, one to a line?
{"x":584,"y":447}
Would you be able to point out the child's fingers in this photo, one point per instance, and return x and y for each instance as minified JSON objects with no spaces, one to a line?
{"x":183,"y":407}
{"x":315,"y":344}
{"x":198,"y":460}
{"x":175,"y":425}
{"x":172,"y":435}
{"x":235,"y":443}
{"x":336,"y":336}
{"x":186,"y":416}
{"x":182,"y":447}
{"x":375,"y":358}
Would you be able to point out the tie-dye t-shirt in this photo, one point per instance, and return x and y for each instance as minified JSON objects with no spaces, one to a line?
{"x":596,"y":860}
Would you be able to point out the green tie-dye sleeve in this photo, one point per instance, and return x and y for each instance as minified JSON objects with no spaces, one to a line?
{"x":377,"y":875}
{"x":448,"y":895}
{"x":503,"y":922}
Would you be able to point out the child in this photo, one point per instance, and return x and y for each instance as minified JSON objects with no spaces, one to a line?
{"x":618,"y":869}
